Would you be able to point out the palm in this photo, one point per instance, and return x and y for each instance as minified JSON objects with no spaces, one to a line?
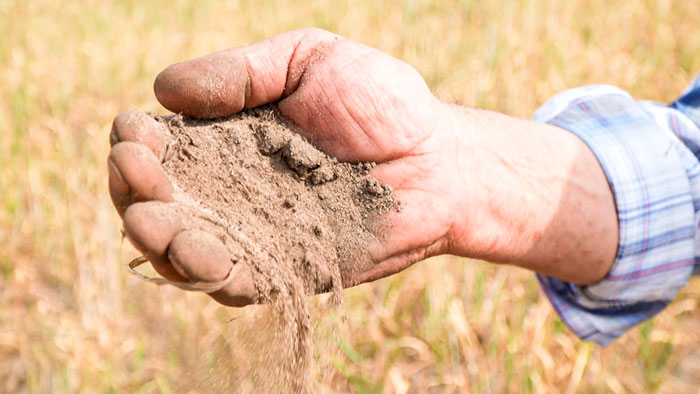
{"x":360,"y":104}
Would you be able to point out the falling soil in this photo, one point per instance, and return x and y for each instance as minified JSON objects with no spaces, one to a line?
{"x":286,"y":209}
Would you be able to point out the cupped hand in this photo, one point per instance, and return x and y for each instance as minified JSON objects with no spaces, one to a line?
{"x":352,"y":101}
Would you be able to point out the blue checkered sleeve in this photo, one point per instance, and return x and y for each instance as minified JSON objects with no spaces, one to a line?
{"x":649,"y":153}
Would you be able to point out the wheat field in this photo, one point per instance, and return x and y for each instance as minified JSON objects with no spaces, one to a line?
{"x":73,"y":320}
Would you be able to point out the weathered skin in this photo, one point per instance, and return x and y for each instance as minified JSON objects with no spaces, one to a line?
{"x":470,"y":182}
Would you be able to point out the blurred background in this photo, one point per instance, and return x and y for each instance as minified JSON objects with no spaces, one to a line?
{"x":73,"y":320}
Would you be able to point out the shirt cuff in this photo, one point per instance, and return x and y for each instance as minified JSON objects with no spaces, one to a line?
{"x":650,"y":173}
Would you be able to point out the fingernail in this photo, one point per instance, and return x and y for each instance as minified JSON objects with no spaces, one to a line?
{"x":115,"y":178}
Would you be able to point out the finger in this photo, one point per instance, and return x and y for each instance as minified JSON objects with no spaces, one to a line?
{"x":135,"y":175}
{"x":228,"y":81}
{"x":137,"y":126}
{"x":394,"y":264}
{"x":150,"y":226}
{"x":396,"y":232}
{"x":201,"y":257}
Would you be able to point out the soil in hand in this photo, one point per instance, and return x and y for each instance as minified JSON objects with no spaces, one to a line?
{"x":294,"y":215}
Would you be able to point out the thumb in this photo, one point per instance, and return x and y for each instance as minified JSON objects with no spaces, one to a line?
{"x":225,"y":82}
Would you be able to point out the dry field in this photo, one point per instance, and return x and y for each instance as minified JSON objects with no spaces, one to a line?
{"x":73,"y":320}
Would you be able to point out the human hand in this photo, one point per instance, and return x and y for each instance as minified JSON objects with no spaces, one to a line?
{"x":352,"y":101}
{"x":470,"y":182}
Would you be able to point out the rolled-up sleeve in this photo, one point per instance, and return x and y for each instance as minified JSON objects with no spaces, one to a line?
{"x":646,"y":151}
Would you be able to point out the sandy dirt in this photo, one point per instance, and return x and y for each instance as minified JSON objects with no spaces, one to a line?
{"x":286,"y":209}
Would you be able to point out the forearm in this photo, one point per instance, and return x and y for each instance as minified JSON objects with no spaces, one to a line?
{"x":536,"y":198}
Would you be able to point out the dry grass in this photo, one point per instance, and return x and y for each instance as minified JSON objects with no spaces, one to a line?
{"x":71,"y":320}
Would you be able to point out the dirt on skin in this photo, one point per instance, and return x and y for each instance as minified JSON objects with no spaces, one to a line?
{"x":284,"y":208}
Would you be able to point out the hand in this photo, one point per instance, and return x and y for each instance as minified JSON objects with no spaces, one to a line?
{"x":352,"y":101}
{"x":470,"y":182}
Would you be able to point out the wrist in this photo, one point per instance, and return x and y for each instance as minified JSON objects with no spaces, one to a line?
{"x":529,"y":194}
{"x":482,"y":225}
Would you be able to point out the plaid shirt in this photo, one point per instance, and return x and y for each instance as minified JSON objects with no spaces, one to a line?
{"x":650,"y":154}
